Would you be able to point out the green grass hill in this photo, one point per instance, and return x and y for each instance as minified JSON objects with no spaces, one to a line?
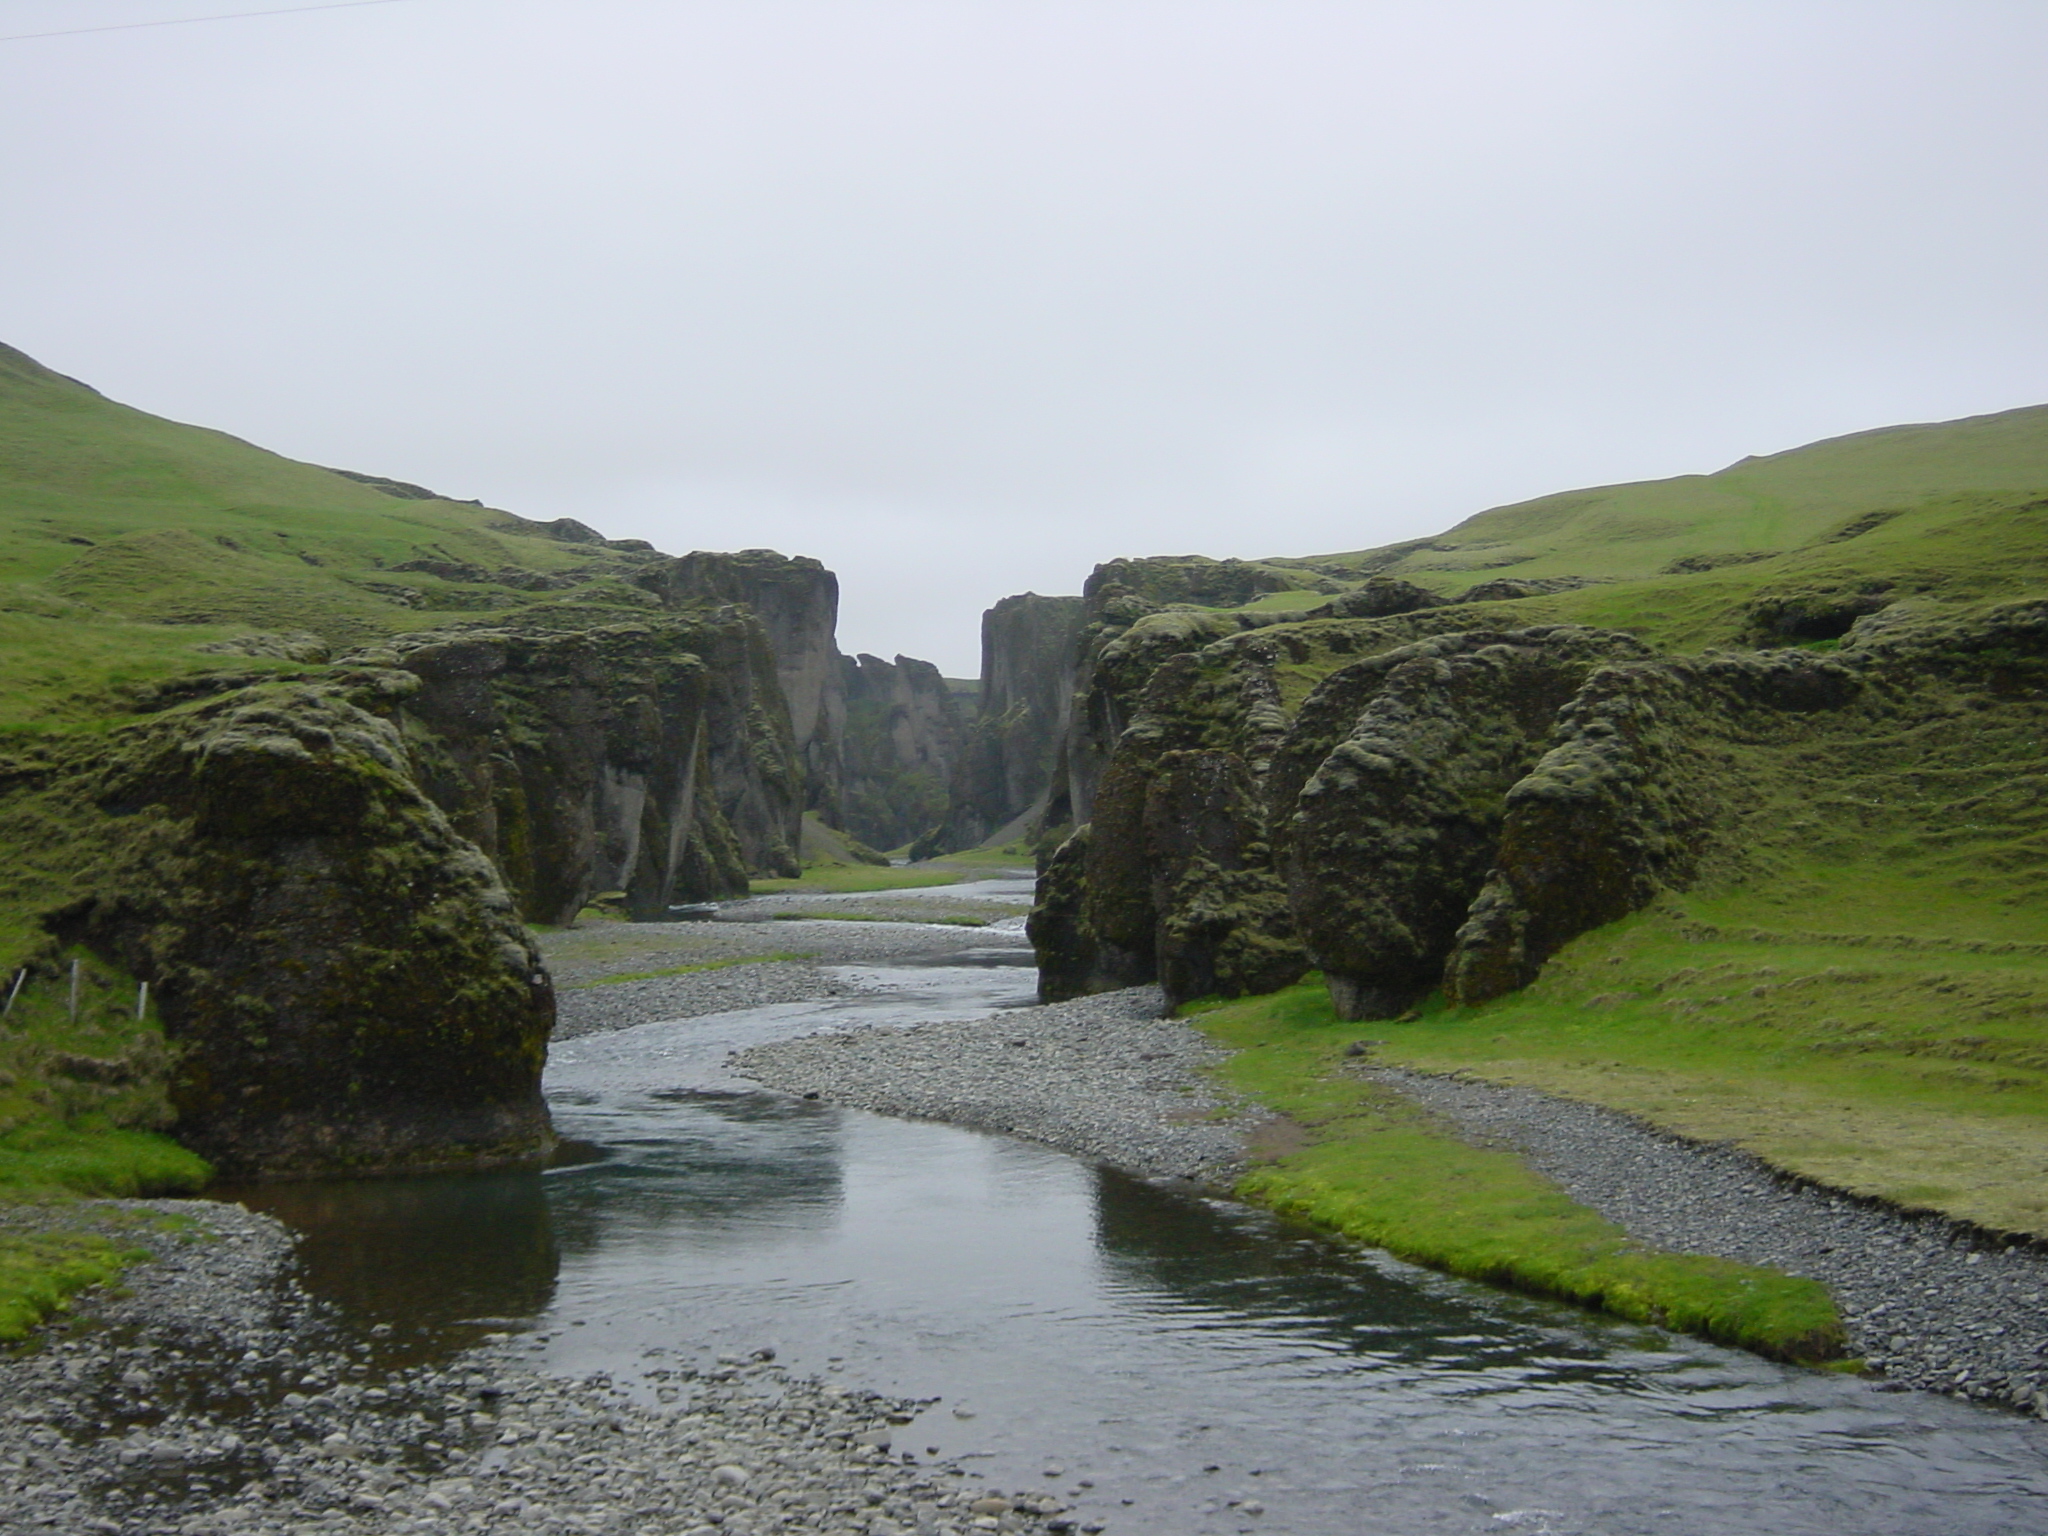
{"x":130,"y":544}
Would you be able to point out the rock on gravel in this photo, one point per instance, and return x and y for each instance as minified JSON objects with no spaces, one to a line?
{"x":1103,"y":1077}
{"x":1927,"y":1302}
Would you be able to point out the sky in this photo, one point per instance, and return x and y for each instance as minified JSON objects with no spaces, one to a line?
{"x":965,"y":297}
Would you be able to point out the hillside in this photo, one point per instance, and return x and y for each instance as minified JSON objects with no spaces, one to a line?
{"x":1720,"y":800}
{"x":129,"y":542}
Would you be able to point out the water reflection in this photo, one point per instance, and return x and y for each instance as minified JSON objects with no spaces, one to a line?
{"x":1179,"y":1353}
{"x":447,"y":1258}
{"x":706,"y":1166}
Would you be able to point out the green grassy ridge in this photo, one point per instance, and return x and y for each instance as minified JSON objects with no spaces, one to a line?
{"x":1778,"y":502}
{"x":1378,"y":1169}
{"x":128,"y":541}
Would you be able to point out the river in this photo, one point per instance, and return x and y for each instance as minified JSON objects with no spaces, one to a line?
{"x":1168,"y":1362}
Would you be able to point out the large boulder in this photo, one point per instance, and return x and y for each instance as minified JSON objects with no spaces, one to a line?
{"x":343,"y":978}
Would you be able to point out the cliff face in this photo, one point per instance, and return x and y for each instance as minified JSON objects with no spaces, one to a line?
{"x":797,"y":603}
{"x":902,"y":738}
{"x":1011,"y":755}
{"x":649,"y":757}
{"x":1112,"y":663}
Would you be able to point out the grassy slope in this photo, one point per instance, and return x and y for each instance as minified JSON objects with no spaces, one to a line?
{"x":1860,"y":994}
{"x":126,"y":542}
{"x":1780,"y":502}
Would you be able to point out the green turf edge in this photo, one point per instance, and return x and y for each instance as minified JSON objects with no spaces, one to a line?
{"x":1379,"y":1170}
{"x":47,"y":1259}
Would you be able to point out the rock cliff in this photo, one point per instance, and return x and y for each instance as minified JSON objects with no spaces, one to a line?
{"x":1452,"y":806}
{"x":902,"y":739}
{"x":651,"y":757}
{"x":797,"y":602}
{"x":1010,"y":757}
{"x":343,"y":978}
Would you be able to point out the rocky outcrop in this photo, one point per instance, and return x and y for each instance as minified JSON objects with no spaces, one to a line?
{"x":651,"y":757}
{"x":1136,"y":614}
{"x":797,"y":601}
{"x":1011,"y":753}
{"x":902,"y":742}
{"x":1645,"y":770}
{"x":1393,"y":834}
{"x":1449,"y":809}
{"x":344,"y":979}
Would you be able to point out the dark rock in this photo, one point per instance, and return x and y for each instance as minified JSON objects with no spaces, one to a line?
{"x":1626,"y":802}
{"x":342,"y":976}
{"x":902,"y":741}
{"x":644,"y":757}
{"x":1510,"y":588}
{"x":1815,"y":613}
{"x":1011,"y":754}
{"x":1394,"y":833}
{"x":1379,"y":598}
{"x":1058,"y":928}
{"x":1223,"y":927}
{"x":797,"y":602}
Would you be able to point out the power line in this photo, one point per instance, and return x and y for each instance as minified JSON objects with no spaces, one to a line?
{"x":187,"y":21}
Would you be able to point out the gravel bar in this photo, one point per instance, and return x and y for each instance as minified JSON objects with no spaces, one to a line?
{"x":1928,"y":1302}
{"x":587,"y":1003}
{"x":1103,"y":1077}
{"x":216,"y":1399}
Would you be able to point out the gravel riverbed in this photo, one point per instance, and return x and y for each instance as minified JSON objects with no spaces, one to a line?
{"x":215,"y":1397}
{"x":1928,"y":1303}
{"x":1103,"y":1077}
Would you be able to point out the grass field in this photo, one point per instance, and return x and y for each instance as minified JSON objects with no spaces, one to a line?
{"x":1377,"y":1169}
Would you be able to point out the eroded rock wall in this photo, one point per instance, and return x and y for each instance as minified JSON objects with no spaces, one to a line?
{"x":648,"y":757}
{"x":1011,"y":753}
{"x":797,"y":601}
{"x":1452,"y":806}
{"x":903,"y":735}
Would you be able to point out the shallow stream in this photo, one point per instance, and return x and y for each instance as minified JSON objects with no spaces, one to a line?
{"x":1171,"y":1364}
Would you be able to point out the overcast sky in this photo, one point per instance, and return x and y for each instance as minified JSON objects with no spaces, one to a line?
{"x":964,"y":297}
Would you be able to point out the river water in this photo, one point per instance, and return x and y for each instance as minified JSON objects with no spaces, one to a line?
{"x":1174,"y":1365}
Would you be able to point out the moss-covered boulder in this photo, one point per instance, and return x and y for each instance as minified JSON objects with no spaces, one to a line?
{"x":1222,"y":926}
{"x":342,"y":978}
{"x":1393,"y":835}
{"x":1648,"y":775}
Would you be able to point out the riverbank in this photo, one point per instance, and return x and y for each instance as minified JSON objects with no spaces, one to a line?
{"x":1923,"y":1303}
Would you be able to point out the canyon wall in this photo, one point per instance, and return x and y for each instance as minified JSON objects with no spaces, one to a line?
{"x":1011,"y":753}
{"x":1447,"y":806}
{"x":902,"y":737}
